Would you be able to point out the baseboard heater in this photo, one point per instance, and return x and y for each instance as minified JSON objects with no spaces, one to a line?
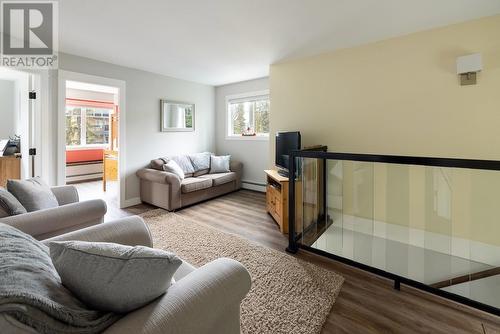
{"x":251,"y":185}
{"x":84,"y":171}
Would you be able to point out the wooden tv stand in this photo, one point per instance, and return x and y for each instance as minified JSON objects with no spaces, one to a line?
{"x":10,"y":168}
{"x":277,"y":198}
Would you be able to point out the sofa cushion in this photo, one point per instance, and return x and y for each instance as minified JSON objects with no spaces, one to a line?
{"x":9,"y":205}
{"x":113,"y":277}
{"x":191,"y":184}
{"x":185,"y":163}
{"x":200,"y":161}
{"x":220,"y":178}
{"x":34,"y":194}
{"x":201,"y":172}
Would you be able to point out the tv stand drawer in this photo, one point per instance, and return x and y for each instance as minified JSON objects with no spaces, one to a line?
{"x":276,"y":199}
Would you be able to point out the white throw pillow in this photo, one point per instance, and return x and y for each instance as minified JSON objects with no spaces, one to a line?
{"x":220,"y":164}
{"x":200,"y":161}
{"x":174,"y":168}
{"x":185,"y":163}
{"x":113,"y":277}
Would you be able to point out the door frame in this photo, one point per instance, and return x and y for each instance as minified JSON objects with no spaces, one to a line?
{"x":64,"y":76}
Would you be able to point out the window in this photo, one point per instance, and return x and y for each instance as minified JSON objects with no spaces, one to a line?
{"x":87,"y":126}
{"x":248,"y":116}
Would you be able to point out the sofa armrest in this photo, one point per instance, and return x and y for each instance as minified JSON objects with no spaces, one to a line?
{"x":158,"y":176}
{"x":131,"y":231}
{"x":65,"y":194}
{"x":47,"y":223}
{"x":237,"y":167}
{"x":205,"y":301}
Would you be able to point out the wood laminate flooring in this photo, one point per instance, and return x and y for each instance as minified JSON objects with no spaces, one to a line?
{"x":366,"y":304}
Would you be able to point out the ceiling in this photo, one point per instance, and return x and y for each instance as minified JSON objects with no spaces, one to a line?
{"x":222,"y":41}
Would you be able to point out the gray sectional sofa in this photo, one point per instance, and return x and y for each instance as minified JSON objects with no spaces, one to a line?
{"x":70,"y":215}
{"x":168,"y":191}
{"x":202,"y":300}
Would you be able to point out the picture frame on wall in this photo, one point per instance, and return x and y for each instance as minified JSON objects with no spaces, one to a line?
{"x":177,"y":116}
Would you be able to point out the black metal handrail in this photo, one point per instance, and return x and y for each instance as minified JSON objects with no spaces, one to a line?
{"x":401,"y":160}
{"x":293,"y":245}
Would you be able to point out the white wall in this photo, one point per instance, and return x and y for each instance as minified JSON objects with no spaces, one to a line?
{"x":74,"y":93}
{"x":144,"y":141}
{"x":253,"y":153}
{"x":8,"y":113}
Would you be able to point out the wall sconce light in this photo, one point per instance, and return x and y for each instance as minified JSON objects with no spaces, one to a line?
{"x":467,"y":68}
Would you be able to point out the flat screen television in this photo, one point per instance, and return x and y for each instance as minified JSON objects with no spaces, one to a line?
{"x":285,"y":143}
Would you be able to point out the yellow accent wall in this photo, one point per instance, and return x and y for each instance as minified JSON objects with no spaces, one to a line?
{"x":402,"y":96}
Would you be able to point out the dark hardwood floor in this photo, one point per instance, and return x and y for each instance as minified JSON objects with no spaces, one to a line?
{"x":367,"y":303}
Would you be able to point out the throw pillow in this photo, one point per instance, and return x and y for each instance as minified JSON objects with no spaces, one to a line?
{"x":34,"y":194}
{"x":9,"y":204}
{"x":200,"y":161}
{"x":113,"y":277}
{"x":174,"y":168}
{"x":31,"y":290}
{"x":219,"y":164}
{"x":158,"y":163}
{"x":185,"y":163}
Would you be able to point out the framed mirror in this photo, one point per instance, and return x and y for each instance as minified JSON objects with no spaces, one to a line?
{"x":176,"y":116}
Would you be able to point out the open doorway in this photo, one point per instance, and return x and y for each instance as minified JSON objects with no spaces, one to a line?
{"x":92,"y":115}
{"x":90,"y":126}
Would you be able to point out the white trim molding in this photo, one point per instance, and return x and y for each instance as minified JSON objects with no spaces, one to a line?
{"x":131,"y":202}
{"x":249,"y":138}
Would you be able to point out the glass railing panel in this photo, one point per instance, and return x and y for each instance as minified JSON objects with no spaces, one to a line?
{"x":298,"y":207}
{"x":392,"y":221}
{"x":358,"y":211}
{"x":310,"y":193}
{"x":476,"y":235}
{"x":348,"y":225}
{"x":331,"y":239}
{"x":435,"y":225}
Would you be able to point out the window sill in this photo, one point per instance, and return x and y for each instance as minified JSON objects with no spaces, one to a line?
{"x":248,"y":138}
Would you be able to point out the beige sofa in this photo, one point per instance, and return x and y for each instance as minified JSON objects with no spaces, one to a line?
{"x":202,"y":300}
{"x":168,"y":191}
{"x":70,"y":215}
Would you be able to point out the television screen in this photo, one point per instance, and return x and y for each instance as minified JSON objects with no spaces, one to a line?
{"x":285,"y":143}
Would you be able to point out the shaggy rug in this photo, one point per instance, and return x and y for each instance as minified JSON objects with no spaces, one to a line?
{"x":288,"y":295}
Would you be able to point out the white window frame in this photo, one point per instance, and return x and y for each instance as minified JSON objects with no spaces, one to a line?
{"x":83,"y":133}
{"x":243,"y":97}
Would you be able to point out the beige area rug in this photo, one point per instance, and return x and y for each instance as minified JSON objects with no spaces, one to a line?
{"x":288,"y":295}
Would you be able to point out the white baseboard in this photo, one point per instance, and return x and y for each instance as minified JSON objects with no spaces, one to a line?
{"x":131,"y":202}
{"x":252,"y":186}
